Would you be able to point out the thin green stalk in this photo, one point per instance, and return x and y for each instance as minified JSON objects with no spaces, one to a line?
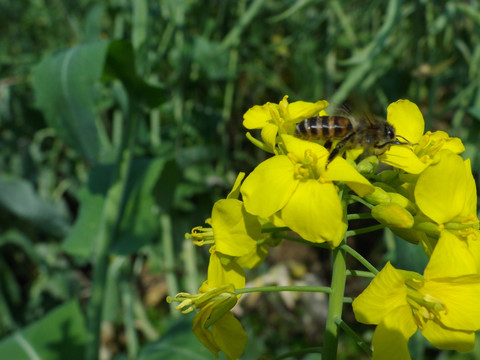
{"x":111,"y":215}
{"x":364,"y":65}
{"x":155,"y":128}
{"x":233,"y":37}
{"x":364,"y":230}
{"x":360,"y":216}
{"x":354,"y":335}
{"x":335,"y":304}
{"x":359,"y":273}
{"x":322,"y":289}
{"x":129,"y":319}
{"x":275,"y":229}
{"x":360,"y":258}
{"x":169,"y":260}
{"x":190,"y":265}
{"x":361,"y":201}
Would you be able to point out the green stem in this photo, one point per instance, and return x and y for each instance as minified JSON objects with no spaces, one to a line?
{"x":360,"y":258}
{"x":169,"y":260}
{"x":335,"y":304}
{"x":359,"y":216}
{"x":111,"y":215}
{"x":354,"y":335}
{"x":364,"y":230}
{"x":129,"y":318}
{"x":190,"y":265}
{"x":356,"y":198}
{"x":359,"y":273}
{"x":322,"y":289}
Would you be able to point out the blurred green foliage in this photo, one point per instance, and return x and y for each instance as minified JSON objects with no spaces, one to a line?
{"x":121,"y":124}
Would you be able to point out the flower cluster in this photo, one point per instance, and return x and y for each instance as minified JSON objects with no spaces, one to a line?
{"x":426,"y":196}
{"x":429,"y":197}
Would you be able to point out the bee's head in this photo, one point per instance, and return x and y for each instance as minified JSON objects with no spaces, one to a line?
{"x":389,"y":131}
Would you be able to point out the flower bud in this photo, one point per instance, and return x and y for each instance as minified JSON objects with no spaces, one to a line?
{"x":403,"y":202}
{"x":368,"y":166}
{"x":393,"y":215}
{"x":379,"y":196}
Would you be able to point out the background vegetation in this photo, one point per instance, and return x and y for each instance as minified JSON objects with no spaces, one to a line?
{"x":121,"y":124}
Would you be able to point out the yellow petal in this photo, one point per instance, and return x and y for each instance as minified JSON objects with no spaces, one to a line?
{"x":340,"y":170}
{"x":202,"y":334}
{"x":236,"y":232}
{"x":448,"y":143}
{"x":407,"y":120}
{"x":301,"y":148}
{"x":402,"y":157}
{"x":269,"y":134}
{"x":470,"y":207}
{"x":229,"y":336}
{"x":386,"y":292}
{"x":441,"y":188}
{"x":451,"y":257}
{"x":253,"y":258}
{"x":300,"y":110}
{"x":446,"y":339}
{"x":235,"y":193}
{"x":220,"y":274}
{"x":461,"y":297}
{"x":257,"y":117}
{"x":390,"y":339}
{"x":315,"y":212}
{"x":270,"y":185}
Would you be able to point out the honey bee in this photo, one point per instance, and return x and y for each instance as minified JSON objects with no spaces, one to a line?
{"x":371,"y":134}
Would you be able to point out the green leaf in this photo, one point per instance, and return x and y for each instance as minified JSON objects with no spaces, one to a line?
{"x":120,"y":65}
{"x":140,"y":220}
{"x":212,"y":57}
{"x":81,"y":239}
{"x":65,"y":90}
{"x":60,"y":334}
{"x":19,"y":197}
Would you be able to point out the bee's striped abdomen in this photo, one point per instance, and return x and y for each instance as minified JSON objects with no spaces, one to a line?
{"x":324,"y":128}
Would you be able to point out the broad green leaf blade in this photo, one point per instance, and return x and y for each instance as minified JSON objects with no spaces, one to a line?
{"x":64,"y":85}
{"x":65,"y":89}
{"x":140,"y":220}
{"x":60,"y":334}
{"x":81,"y":239}
{"x":18,"y":197}
{"x":120,"y":65}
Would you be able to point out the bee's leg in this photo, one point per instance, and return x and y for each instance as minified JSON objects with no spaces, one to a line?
{"x":384,"y":147}
{"x":339,"y":147}
{"x":328,"y":144}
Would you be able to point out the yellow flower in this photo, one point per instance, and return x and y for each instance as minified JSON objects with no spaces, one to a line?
{"x":446,"y":190}
{"x":234,"y":236}
{"x":280,"y":118}
{"x":215,"y":299}
{"x":445,"y":309}
{"x":446,"y":193}
{"x":408,"y":122}
{"x":226,"y":334}
{"x":233,"y":231}
{"x":296,"y":190}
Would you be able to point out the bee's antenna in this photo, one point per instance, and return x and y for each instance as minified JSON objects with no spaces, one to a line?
{"x":407,"y":142}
